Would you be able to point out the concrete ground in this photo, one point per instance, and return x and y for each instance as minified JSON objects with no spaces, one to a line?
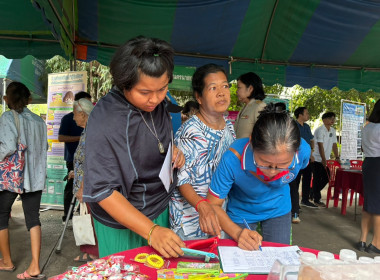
{"x":321,"y":229}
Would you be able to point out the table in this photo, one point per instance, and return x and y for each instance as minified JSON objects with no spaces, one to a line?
{"x":130,"y":254}
{"x":347,"y":179}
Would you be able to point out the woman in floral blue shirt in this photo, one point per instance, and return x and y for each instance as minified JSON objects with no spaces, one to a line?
{"x":203,"y":139}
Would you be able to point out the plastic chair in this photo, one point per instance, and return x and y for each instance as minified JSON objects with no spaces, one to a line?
{"x":356,"y":164}
{"x":332,"y":165}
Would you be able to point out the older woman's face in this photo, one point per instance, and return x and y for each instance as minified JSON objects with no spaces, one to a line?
{"x":148,"y":92}
{"x":80,"y":118}
{"x":216,"y":93}
{"x":282,"y":159}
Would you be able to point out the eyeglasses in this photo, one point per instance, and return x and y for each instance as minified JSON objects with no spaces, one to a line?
{"x":276,"y":168}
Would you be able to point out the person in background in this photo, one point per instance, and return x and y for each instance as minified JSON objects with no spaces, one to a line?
{"x":250,"y":91}
{"x":125,"y":151}
{"x":302,"y":116}
{"x":33,"y":134}
{"x":69,"y":133}
{"x":82,"y":109}
{"x":325,"y":137}
{"x":371,"y":182}
{"x":254,"y":174}
{"x":175,"y":112}
{"x":190,"y":109}
{"x":280,"y":106}
{"x":203,"y":139}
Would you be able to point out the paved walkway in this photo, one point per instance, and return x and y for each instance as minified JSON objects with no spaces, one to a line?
{"x":321,"y":229}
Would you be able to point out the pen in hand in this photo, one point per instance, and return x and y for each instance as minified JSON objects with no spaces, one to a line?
{"x":248,"y":227}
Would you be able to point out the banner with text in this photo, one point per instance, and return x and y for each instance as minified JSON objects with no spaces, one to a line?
{"x":62,"y":88}
{"x":352,"y":121}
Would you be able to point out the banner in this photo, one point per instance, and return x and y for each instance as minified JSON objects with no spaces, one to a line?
{"x":352,"y":119}
{"x":62,"y":88}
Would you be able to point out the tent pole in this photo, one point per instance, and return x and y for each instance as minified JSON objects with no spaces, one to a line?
{"x":4,"y":90}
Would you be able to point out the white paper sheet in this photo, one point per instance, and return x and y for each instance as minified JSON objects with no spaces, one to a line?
{"x":166,"y":173}
{"x":235,"y":260}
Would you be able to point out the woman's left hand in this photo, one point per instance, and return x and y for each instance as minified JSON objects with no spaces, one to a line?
{"x":178,"y":159}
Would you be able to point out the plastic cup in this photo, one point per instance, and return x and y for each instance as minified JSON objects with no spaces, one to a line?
{"x":308,"y":258}
{"x":366,"y":260}
{"x":347,"y":255}
{"x":377,"y":259}
{"x":325,"y":257}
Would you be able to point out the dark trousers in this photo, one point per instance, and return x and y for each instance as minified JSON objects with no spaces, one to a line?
{"x":30,"y":204}
{"x":294,"y":186}
{"x":68,"y":193}
{"x":320,"y":179}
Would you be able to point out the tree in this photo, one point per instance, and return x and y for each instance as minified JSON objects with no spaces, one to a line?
{"x":99,"y":79}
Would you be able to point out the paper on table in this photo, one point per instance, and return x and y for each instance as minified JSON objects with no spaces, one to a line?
{"x":166,"y":173}
{"x":233,"y":259}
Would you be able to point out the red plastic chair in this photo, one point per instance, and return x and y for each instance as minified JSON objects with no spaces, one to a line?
{"x":332,"y":165}
{"x":356,"y":164}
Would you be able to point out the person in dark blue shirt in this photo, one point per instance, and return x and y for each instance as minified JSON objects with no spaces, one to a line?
{"x":70,"y":133}
{"x":302,"y":116}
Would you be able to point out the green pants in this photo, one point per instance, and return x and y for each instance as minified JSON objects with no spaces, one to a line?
{"x":113,"y":240}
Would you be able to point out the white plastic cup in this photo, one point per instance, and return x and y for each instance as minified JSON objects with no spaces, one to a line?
{"x":377,"y":259}
{"x":308,"y":258}
{"x":366,"y":260}
{"x":325,"y":257}
{"x":347,"y":255}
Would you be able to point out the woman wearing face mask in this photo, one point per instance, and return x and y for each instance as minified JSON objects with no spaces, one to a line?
{"x":254,"y":174}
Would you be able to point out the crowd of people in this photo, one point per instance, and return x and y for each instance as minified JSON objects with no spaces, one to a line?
{"x":236,"y":181}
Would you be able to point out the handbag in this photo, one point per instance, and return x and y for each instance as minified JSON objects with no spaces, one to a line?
{"x":12,"y":167}
{"x":82,"y":227}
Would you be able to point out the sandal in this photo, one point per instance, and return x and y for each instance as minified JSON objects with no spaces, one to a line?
{"x":7,"y":269}
{"x":81,"y":258}
{"x":26,"y":275}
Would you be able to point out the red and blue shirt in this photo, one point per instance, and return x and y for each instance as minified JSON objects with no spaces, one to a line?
{"x":250,"y":198}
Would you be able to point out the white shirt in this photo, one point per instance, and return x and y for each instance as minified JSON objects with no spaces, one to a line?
{"x":327,"y":137}
{"x":371,"y":140}
{"x":34,"y":136}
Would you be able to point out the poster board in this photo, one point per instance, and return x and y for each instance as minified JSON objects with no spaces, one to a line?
{"x":62,"y":88}
{"x":352,"y":119}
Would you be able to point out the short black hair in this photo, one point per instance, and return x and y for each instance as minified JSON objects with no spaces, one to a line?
{"x":274,"y":128}
{"x":280,"y":106}
{"x":82,"y":94}
{"x":198,"y":80}
{"x":328,"y":115}
{"x":141,"y":55}
{"x":252,"y":79}
{"x":299,"y":111}
{"x":190,"y":105}
{"x":375,"y":115}
{"x":18,"y":96}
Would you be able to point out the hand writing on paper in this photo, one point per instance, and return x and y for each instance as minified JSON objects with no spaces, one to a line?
{"x":166,"y":242}
{"x":249,"y":240}
{"x":178,"y":159}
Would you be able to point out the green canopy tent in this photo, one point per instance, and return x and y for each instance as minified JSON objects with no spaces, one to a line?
{"x":318,"y":42}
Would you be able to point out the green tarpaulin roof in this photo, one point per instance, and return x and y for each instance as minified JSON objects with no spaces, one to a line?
{"x":317,"y":42}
